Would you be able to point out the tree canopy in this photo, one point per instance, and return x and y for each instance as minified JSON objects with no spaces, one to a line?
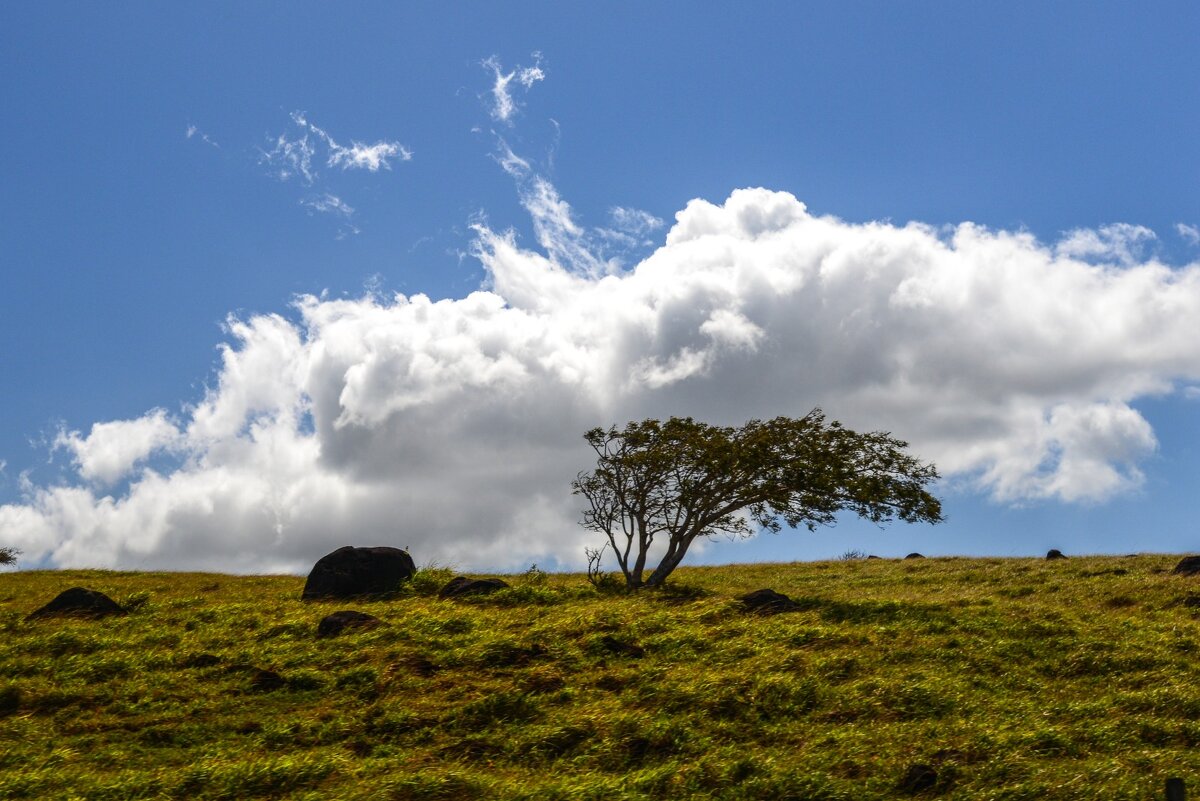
{"x":671,"y":482}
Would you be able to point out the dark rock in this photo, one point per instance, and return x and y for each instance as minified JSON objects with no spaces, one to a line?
{"x":873,"y":556}
{"x":78,"y":602}
{"x":335,"y":624}
{"x":504,"y":654}
{"x":264,"y":681}
{"x":918,"y":779}
{"x":351,"y":572}
{"x":461,"y":585}
{"x":914,"y":555}
{"x":612,"y":645}
{"x":421,"y":665}
{"x":1054,"y":553}
{"x":1188,"y":566}
{"x":768,"y":602}
{"x":200,"y":661}
{"x":10,"y":700}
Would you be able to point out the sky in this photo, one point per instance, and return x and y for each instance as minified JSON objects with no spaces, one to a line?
{"x":277,"y":278}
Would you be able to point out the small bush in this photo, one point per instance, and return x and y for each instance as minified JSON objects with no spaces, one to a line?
{"x":427,"y":581}
{"x":135,"y":601}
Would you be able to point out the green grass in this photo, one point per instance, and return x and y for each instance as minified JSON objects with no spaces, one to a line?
{"x":1014,"y":679}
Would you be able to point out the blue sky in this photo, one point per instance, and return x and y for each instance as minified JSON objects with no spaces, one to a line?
{"x":143,"y":205}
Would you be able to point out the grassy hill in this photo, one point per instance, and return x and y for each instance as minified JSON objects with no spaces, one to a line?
{"x":1009,"y":679}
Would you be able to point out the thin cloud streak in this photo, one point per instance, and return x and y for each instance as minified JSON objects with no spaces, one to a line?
{"x":503,"y":106}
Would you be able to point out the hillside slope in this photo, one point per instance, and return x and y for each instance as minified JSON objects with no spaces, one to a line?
{"x":1004,"y":678}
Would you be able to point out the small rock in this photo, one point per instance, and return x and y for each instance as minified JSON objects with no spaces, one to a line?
{"x":768,"y":602}
{"x":335,"y":624}
{"x":351,"y":572}
{"x":200,"y":661}
{"x":619,"y":648}
{"x":1188,"y":566}
{"x":1054,"y":553}
{"x":917,"y":779}
{"x":266,"y":680}
{"x":10,"y":700}
{"x":873,"y":556}
{"x":914,"y":555}
{"x":421,"y":665}
{"x":78,"y":602}
{"x":461,"y":585}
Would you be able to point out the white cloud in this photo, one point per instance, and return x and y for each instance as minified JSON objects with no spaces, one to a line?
{"x":292,"y":157}
{"x":192,"y":130}
{"x":368,"y":157}
{"x":503,"y":104}
{"x":111,"y":450}
{"x":634,"y":222}
{"x":329,"y":204}
{"x":1190,"y":233}
{"x":628,"y":229}
{"x":1119,"y":243}
{"x":454,"y":427}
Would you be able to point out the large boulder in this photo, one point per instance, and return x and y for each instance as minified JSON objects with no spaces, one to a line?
{"x":1053,"y":554}
{"x":351,"y":572}
{"x":78,"y":602}
{"x":461,"y":585}
{"x":1188,"y":566}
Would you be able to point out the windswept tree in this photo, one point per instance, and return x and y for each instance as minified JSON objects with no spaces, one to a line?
{"x":666,"y":483}
{"x":8,"y":555}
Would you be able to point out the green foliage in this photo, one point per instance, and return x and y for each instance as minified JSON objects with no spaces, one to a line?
{"x":552,"y":690}
{"x":674,"y":481}
{"x":427,"y":581}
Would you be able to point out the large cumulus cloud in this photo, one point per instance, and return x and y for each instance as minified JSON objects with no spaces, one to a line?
{"x":454,"y":427}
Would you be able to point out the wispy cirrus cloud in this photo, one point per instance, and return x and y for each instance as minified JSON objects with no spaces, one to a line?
{"x":503,"y":105}
{"x":294,"y":156}
{"x":357,"y":156}
{"x":300,"y":156}
{"x":193,"y":131}
{"x":328,"y":203}
{"x":1190,"y":233}
{"x":290,"y":158}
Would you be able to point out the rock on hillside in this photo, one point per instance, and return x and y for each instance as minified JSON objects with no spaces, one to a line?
{"x":461,"y":585}
{"x":78,"y":602}
{"x":335,"y":624}
{"x":351,"y":572}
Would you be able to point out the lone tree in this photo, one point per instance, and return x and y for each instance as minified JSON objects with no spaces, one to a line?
{"x":671,"y":482}
{"x":8,"y":555}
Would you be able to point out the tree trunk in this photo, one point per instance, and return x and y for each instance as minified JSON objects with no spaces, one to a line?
{"x":669,"y":562}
